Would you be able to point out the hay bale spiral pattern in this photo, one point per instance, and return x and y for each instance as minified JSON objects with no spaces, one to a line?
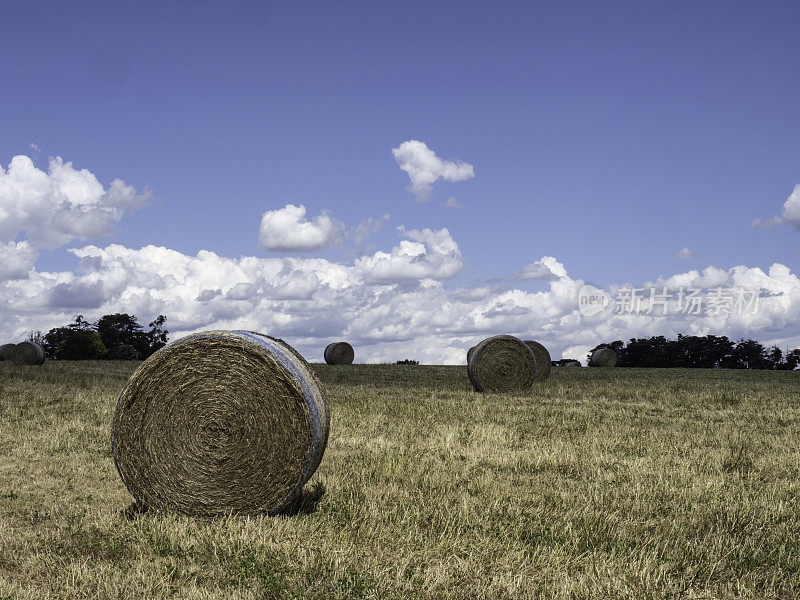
{"x":543,"y":359}
{"x":502,"y":363}
{"x":25,"y":353}
{"x":220,"y":422}
{"x":604,"y":357}
{"x":339,"y":353}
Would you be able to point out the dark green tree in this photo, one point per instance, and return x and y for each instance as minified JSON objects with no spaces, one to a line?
{"x":775,"y":358}
{"x":83,"y":344}
{"x":748,"y":354}
{"x":792,"y":359}
{"x":157,"y":336}
{"x":122,"y":329}
{"x":53,"y":338}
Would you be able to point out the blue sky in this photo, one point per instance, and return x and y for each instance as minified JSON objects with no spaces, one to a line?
{"x":605,"y":135}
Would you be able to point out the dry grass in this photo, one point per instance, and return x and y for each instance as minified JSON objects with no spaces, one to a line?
{"x":601,"y":483}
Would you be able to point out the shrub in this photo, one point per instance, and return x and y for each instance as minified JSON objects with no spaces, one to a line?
{"x":81,"y":345}
{"x":123,"y":352}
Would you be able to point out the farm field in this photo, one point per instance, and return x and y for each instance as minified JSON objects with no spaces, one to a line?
{"x":601,"y":483}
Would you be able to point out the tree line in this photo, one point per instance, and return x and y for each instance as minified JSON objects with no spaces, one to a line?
{"x":114,"y":337}
{"x":702,"y":352}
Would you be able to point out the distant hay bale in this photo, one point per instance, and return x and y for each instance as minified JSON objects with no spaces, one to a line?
{"x":502,"y":363}
{"x":572,"y":363}
{"x":469,"y":354}
{"x":25,"y":353}
{"x":339,"y":353}
{"x":542,"y":356}
{"x":469,"y":357}
{"x":220,"y":422}
{"x":5,"y":351}
{"x":603,"y":357}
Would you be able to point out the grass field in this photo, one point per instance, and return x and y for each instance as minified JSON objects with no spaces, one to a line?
{"x":615,"y":483}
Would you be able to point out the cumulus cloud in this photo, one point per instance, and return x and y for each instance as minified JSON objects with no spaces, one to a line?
{"x":16,"y":260}
{"x":685,"y":253}
{"x":60,"y":205}
{"x":452,"y":203}
{"x":426,"y":254}
{"x":545,"y":269}
{"x":790,"y":213}
{"x":424,"y":168}
{"x":390,"y":304}
{"x":791,"y":208}
{"x":287,"y":230}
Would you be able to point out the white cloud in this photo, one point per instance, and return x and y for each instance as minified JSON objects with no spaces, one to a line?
{"x":16,"y":260}
{"x":452,"y":203}
{"x":34,"y":146}
{"x":61,"y":205}
{"x":790,"y":213}
{"x":685,"y":253}
{"x":390,"y":305}
{"x":426,"y":254}
{"x":545,"y":269}
{"x":287,"y":230}
{"x":424,"y":168}
{"x":367,"y":227}
{"x":791,"y":208}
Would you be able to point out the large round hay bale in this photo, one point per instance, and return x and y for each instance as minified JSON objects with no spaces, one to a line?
{"x":220,"y":422}
{"x":339,"y":353}
{"x":26,"y":353}
{"x":5,"y":351}
{"x":543,"y":359}
{"x":502,"y":363}
{"x":603,"y":357}
{"x":572,"y":363}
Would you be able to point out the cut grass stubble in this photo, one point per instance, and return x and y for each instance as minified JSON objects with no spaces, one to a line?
{"x":613,"y":483}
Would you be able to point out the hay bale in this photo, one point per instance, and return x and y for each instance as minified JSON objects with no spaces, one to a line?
{"x":502,"y":363}
{"x":26,"y":353}
{"x":5,"y":351}
{"x":603,"y":357}
{"x":339,"y":353}
{"x":220,"y":422}
{"x":469,"y":357}
{"x":542,"y":356}
{"x":572,"y":363}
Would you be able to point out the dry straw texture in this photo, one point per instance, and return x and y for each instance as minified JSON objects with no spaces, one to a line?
{"x":604,"y":357}
{"x":502,"y":363}
{"x":543,"y":359}
{"x":25,"y":353}
{"x":339,"y":353}
{"x":5,"y":351}
{"x":220,"y":422}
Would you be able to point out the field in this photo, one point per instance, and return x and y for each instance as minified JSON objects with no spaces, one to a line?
{"x":602,"y":483}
